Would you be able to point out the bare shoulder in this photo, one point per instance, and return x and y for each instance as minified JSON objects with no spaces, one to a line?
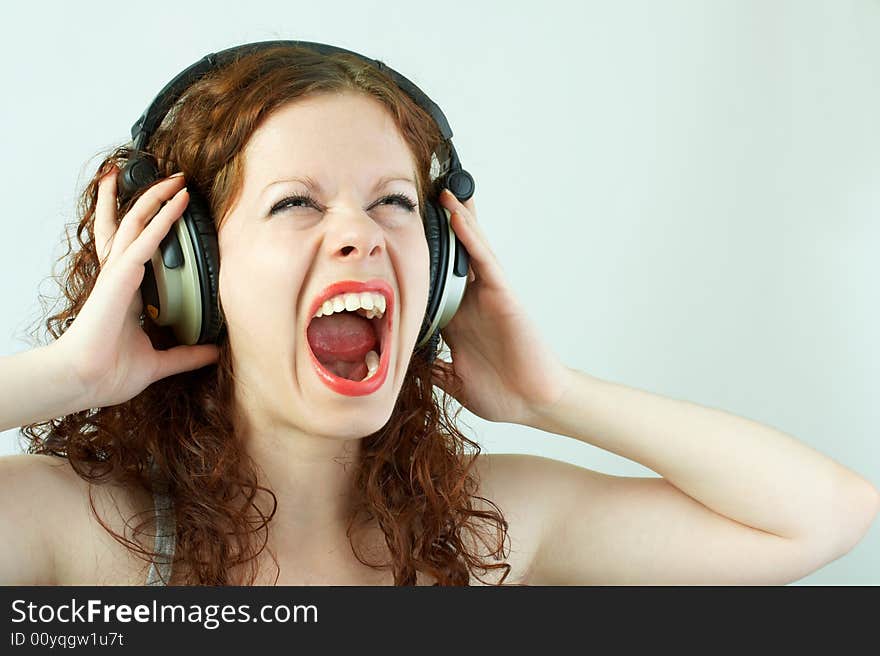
{"x":513,"y":475}
{"x":52,"y":535}
{"x":525,"y":488}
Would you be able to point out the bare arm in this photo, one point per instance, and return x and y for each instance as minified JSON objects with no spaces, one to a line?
{"x":105,"y":357}
{"x":737,"y":501}
{"x":37,"y":385}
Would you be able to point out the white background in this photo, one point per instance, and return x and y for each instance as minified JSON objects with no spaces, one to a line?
{"x":684,"y":193}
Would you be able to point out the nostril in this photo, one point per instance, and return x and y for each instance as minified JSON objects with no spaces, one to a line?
{"x":347,"y":249}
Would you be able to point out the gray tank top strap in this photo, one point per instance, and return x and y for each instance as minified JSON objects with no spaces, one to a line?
{"x":166,"y":528}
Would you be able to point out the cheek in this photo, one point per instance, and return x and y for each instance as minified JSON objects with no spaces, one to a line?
{"x":261,"y":280}
{"x":415,"y":285}
{"x":240,"y":300}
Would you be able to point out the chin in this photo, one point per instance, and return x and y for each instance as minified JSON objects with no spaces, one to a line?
{"x":354,"y":430}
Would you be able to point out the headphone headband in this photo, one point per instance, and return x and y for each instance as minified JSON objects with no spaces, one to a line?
{"x":165,"y":99}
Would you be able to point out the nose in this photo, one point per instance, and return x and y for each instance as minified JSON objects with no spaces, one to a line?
{"x":352,"y":236}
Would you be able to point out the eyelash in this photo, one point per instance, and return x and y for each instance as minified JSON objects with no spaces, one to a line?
{"x":402,"y":200}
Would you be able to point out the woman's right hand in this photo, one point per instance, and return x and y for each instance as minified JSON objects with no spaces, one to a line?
{"x":106,"y":346}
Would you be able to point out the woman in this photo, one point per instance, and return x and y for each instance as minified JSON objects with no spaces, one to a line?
{"x":317,"y":168}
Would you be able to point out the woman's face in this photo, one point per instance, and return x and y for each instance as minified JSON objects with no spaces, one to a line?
{"x":276,"y":264}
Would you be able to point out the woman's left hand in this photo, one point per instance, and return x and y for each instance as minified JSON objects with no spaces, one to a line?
{"x":508,"y":373}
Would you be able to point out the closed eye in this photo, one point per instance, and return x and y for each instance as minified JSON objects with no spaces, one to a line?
{"x":402,"y":200}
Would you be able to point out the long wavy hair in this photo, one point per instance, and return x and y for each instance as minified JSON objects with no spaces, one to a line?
{"x":415,"y":477}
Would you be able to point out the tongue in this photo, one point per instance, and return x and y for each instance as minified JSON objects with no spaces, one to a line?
{"x":341,"y":342}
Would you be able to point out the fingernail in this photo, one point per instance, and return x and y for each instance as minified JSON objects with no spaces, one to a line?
{"x":176,"y":175}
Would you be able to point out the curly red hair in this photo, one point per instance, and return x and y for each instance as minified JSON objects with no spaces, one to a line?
{"x":416,"y":476}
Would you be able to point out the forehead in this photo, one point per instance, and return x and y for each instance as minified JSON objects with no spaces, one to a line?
{"x":328,"y":136}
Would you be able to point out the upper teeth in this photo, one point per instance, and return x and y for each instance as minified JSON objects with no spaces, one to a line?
{"x":367,"y":304}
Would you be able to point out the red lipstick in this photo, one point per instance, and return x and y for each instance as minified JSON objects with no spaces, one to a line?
{"x":344,"y":385}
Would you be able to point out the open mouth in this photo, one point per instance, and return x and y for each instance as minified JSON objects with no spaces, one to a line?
{"x":348,"y":335}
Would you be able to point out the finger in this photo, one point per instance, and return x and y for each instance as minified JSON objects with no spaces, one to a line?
{"x":469,"y":204}
{"x":147,"y":242}
{"x":468,"y":209}
{"x":144,"y":209}
{"x":105,"y":214}
{"x":186,"y":358}
{"x":484,"y":264}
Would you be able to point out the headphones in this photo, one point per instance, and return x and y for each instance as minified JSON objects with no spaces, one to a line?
{"x":180,"y":283}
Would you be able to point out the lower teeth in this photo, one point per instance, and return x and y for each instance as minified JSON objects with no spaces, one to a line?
{"x":372,"y":360}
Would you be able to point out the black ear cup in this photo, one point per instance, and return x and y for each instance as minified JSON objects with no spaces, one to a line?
{"x":200,"y":226}
{"x":436,"y":258}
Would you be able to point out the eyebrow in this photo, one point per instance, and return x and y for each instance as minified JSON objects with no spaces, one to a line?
{"x":311,"y":183}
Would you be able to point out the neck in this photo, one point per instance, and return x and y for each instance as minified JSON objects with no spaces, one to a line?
{"x":311,"y":476}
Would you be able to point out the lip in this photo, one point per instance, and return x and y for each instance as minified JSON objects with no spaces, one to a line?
{"x":344,"y":385}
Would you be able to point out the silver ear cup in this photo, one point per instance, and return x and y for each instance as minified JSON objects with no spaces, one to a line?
{"x":180,"y":283}
{"x":450,"y":286}
{"x":178,"y":290}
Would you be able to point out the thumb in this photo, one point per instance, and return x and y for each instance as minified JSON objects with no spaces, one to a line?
{"x":187,"y":358}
